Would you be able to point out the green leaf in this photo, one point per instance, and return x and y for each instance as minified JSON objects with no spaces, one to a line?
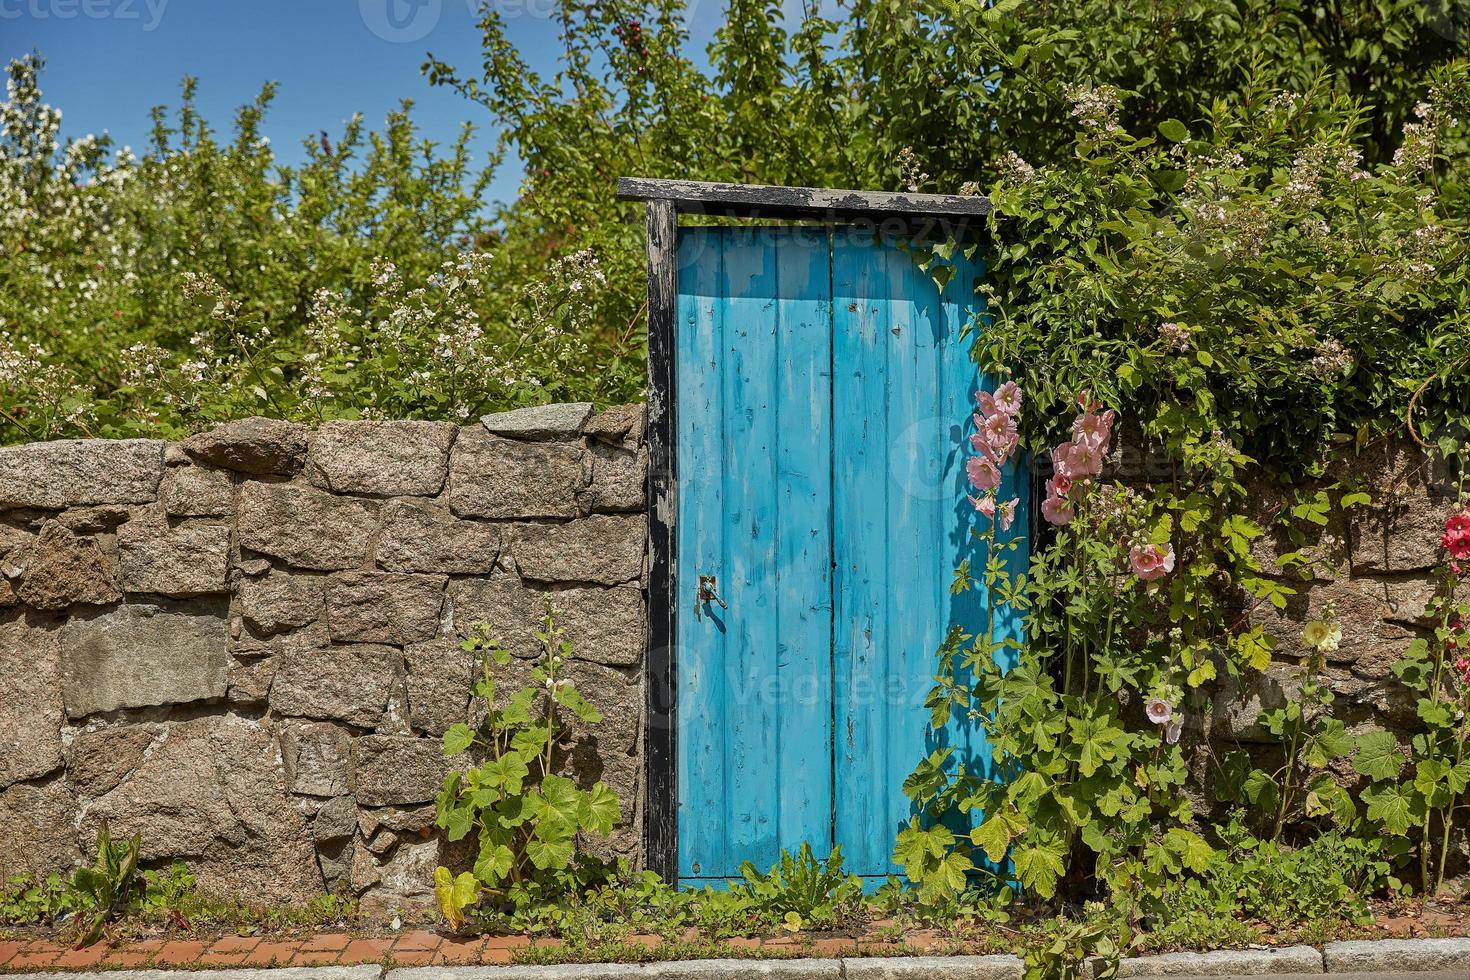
{"x":1194,"y":853}
{"x":494,"y":864}
{"x":458,"y":739}
{"x":597,"y":810}
{"x":995,"y":834}
{"x":1391,"y":805}
{"x":1038,"y":867}
{"x":552,"y":852}
{"x":1378,"y":756}
{"x":1173,"y":130}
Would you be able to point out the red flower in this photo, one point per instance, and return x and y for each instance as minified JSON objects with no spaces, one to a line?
{"x":1456,"y":538}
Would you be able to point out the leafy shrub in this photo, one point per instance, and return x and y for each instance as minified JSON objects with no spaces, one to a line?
{"x":201,"y":281}
{"x":524,"y":814}
{"x":32,"y":899}
{"x":801,"y":891}
{"x":1255,"y":879}
{"x":99,"y":894}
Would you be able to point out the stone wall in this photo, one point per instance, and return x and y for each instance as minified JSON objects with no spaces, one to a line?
{"x":1374,"y":566}
{"x":245,"y":646}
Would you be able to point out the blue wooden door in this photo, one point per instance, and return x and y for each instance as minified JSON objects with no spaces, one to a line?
{"x":823,"y":393}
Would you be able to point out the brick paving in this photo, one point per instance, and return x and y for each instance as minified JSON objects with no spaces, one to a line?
{"x":411,"y":948}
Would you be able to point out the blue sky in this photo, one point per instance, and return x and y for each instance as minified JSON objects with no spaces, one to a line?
{"x":110,"y":61}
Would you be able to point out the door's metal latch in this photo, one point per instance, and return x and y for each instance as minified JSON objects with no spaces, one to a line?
{"x":709,"y":591}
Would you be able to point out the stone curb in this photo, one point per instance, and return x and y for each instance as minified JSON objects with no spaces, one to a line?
{"x":802,"y":969}
{"x":1226,"y":963}
{"x":1397,"y":955}
{"x":934,"y":968}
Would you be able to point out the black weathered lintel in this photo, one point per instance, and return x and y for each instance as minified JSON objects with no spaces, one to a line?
{"x":804,"y":203}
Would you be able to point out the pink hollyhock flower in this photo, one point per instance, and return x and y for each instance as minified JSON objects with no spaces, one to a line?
{"x":1158,"y":710}
{"x":1456,"y":537}
{"x":1463,"y":666}
{"x":983,"y":473}
{"x":985,"y":505}
{"x":1151,"y":561}
{"x":1008,"y":513}
{"x":1059,"y":485}
{"x":1086,"y":402}
{"x":1094,"y":429}
{"x":1173,"y":730}
{"x":999,"y":429}
{"x":1007,"y":398}
{"x":1057,"y":510}
{"x":986,"y":401}
{"x":1075,"y":460}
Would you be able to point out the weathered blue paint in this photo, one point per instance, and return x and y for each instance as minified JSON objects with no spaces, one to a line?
{"x":824,"y":388}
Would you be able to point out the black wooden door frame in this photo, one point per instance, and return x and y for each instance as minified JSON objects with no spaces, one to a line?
{"x":934,"y":216}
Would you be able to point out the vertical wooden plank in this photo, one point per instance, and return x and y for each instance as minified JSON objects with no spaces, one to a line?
{"x":803,"y":583}
{"x":660,"y":830}
{"x":701,"y":649}
{"x":755,"y":677}
{"x":748,"y":574}
{"x":903,"y":392}
{"x":861,"y":546}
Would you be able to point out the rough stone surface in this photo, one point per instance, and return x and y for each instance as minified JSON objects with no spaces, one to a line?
{"x":438,"y":684}
{"x":197,"y":491}
{"x":419,"y":538}
{"x":1363,"y":612}
{"x":257,"y":446}
{"x":213,"y":791}
{"x":1391,"y":955}
{"x":384,"y":607}
{"x":1225,"y":963}
{"x":317,"y":757}
{"x":391,"y":770}
{"x":305,"y":527}
{"x":62,"y":569}
{"x":604,"y":549}
{"x":40,"y":829}
{"x":190,"y":678}
{"x":617,"y":425}
{"x":335,"y":820}
{"x":603,"y":625}
{"x":80,"y":472}
{"x":540,"y":422}
{"x":385,"y":458}
{"x":30,"y":709}
{"x":349,"y":683}
{"x":280,"y":601}
{"x":502,"y":478}
{"x":502,"y":602}
{"x":99,"y":760}
{"x":998,"y":967}
{"x":186,"y":559}
{"x":617,"y":484}
{"x":143,"y":654}
{"x":402,"y":880}
{"x":250,"y":680}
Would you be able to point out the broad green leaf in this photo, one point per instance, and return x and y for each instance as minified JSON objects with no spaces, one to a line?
{"x":458,"y":739}
{"x":597,"y":809}
{"x":1173,"y":130}
{"x":1390,"y":805}
{"x":1378,"y":756}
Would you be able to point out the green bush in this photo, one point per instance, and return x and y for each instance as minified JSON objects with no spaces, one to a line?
{"x":1331,"y":877}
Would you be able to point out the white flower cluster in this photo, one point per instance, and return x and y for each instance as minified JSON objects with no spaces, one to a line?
{"x":1096,"y":108}
{"x":1015,"y":170}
